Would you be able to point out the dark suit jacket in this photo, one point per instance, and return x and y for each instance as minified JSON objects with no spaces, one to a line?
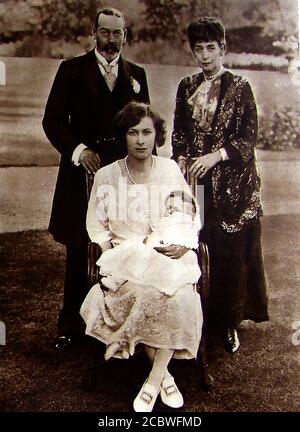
{"x":80,"y":109}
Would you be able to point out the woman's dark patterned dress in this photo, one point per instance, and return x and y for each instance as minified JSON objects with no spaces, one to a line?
{"x":210,"y":116}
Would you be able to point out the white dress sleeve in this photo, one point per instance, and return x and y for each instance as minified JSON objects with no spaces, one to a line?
{"x":97,"y":220}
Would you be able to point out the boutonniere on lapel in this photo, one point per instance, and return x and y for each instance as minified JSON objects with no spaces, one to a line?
{"x":135,"y":85}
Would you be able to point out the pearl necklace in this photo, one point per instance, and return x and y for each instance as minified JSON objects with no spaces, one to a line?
{"x":213,"y":77}
{"x":128,"y":172}
{"x":208,"y":80}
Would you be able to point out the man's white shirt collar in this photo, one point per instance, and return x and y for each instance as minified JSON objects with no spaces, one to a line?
{"x":113,"y":63}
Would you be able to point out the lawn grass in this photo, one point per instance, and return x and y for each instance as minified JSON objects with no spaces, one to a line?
{"x":262,"y":377}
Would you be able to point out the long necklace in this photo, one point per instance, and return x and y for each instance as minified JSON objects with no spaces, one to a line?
{"x":128,"y":172}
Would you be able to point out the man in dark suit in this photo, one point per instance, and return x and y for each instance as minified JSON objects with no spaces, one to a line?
{"x":86,"y":94}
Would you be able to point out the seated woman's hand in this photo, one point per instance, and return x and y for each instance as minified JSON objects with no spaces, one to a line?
{"x":172,"y":251}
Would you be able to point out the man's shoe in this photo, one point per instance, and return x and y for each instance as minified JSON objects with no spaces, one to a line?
{"x":62,"y":342}
{"x":231,"y":341}
{"x":169,"y":393}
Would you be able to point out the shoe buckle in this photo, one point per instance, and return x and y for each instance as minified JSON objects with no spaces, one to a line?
{"x":171,"y":389}
{"x":146,"y":397}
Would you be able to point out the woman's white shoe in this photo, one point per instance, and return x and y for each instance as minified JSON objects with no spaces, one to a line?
{"x":145,"y":400}
{"x":169,"y":393}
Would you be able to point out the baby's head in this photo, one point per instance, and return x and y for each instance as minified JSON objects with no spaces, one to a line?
{"x":181,"y":202}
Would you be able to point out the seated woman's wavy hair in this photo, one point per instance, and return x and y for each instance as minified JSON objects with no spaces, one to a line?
{"x":132,"y":114}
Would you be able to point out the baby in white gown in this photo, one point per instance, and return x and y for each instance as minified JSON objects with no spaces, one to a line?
{"x":178,"y":227}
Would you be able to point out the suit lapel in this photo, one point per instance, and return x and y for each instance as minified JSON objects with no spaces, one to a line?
{"x":98,"y":90}
{"x":97,"y":82}
{"x":123,"y":85}
{"x":94,"y":77}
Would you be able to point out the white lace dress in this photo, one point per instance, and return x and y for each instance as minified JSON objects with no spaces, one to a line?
{"x":137,"y":312}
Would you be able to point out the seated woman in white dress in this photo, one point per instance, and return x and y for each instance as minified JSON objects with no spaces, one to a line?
{"x":128,"y":205}
{"x":179,"y":225}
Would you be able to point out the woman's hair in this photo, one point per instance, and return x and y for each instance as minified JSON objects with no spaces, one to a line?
{"x":206,"y":29}
{"x":185,"y":198}
{"x":132,"y":114}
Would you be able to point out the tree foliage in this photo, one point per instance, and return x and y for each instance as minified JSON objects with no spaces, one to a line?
{"x":67,"y":19}
{"x":278,"y":18}
{"x":168,"y":19}
{"x":271,"y":20}
{"x":266,"y":21}
{"x":51,"y":19}
{"x":162,"y":19}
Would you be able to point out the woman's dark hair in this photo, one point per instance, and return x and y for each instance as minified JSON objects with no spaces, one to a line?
{"x":206,"y":29}
{"x":132,"y":114}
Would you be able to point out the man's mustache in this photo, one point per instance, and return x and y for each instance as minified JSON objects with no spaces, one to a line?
{"x":111,"y":46}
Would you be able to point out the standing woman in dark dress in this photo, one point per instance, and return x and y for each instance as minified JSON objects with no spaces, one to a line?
{"x":214,"y":136}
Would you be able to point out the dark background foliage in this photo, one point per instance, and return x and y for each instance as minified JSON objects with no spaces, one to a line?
{"x":36,"y":22}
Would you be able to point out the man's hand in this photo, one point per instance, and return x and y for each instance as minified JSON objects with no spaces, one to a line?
{"x":90,"y":161}
{"x":204,"y":163}
{"x":172,"y":251}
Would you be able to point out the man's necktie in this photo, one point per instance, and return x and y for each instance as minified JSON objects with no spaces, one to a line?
{"x":109,"y":77}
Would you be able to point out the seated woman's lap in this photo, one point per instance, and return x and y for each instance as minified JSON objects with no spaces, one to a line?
{"x":142,"y":314}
